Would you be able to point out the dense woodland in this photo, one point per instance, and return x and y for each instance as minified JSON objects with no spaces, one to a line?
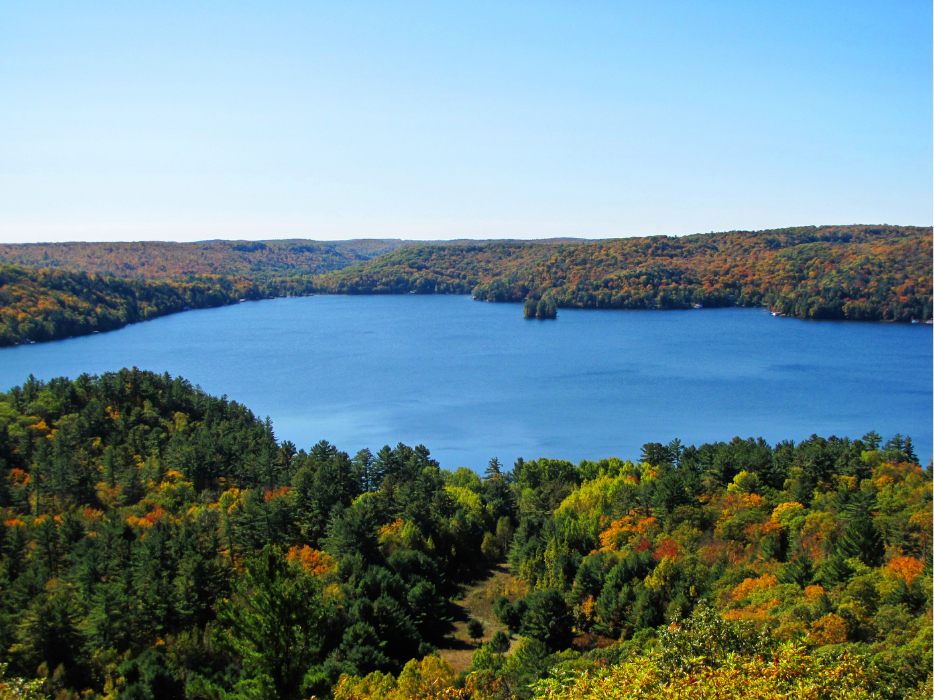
{"x":868,"y":273}
{"x":861,"y":273}
{"x":157,"y":542}
{"x":157,"y":260}
{"x":41,"y":305}
{"x":259,"y":261}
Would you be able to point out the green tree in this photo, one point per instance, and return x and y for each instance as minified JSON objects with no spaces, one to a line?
{"x":475,"y":629}
{"x":548,"y":619}
{"x":48,"y":634}
{"x":490,"y":547}
{"x":500,"y":642}
{"x":150,"y":677}
{"x":275,"y":622}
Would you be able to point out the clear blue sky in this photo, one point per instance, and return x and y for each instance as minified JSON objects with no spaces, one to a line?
{"x":188,"y":121}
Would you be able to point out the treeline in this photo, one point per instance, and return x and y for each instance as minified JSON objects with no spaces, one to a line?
{"x":851,"y":273}
{"x":41,"y":305}
{"x":157,"y":260}
{"x":108,"y":285}
{"x":158,"y":542}
{"x":860,"y":273}
{"x":869,"y":273}
{"x":259,"y":261}
{"x":435,"y":269}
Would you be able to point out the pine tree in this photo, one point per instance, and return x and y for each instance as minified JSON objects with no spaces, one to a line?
{"x":275,"y":622}
{"x":364,"y":471}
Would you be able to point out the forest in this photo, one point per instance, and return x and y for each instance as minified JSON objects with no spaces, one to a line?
{"x":159,"y":260}
{"x":861,"y":273}
{"x":47,"y":304}
{"x":159,"y":542}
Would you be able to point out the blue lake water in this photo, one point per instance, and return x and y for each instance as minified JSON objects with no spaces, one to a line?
{"x":472,"y":380}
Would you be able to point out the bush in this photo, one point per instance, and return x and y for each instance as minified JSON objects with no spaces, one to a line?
{"x":500,"y":642}
{"x":475,"y":629}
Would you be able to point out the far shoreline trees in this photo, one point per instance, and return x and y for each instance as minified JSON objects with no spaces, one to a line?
{"x":858,"y":273}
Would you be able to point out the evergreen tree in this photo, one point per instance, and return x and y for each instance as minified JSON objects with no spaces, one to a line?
{"x":276,"y":622}
{"x":861,"y":539}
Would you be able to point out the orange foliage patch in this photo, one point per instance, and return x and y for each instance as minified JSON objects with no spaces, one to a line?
{"x":830,"y":629}
{"x":756,"y":531}
{"x":609,"y":537}
{"x":587,"y":608}
{"x":732,"y":504}
{"x":750,"y":585}
{"x":393,"y":529}
{"x":666,"y":548}
{"x":751,"y":612}
{"x":148,"y":520}
{"x":753,"y":500}
{"x":313,"y":561}
{"x":905,"y":568}
{"x":157,"y":514}
{"x":278,"y":492}
{"x":813,"y":592}
{"x":19,"y":477}
{"x":628,"y":529}
{"x":94,"y":515}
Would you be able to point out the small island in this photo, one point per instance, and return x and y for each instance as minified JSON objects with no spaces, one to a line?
{"x":543,"y":308}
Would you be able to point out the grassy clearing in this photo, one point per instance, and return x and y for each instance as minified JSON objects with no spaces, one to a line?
{"x":476,"y":602}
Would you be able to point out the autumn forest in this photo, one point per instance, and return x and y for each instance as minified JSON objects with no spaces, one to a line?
{"x":158,"y":542}
{"x":862,"y":273}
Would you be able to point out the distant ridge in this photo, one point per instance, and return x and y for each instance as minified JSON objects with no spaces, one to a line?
{"x":159,"y":260}
{"x":859,"y":273}
{"x":258,"y":260}
{"x":867,"y":273}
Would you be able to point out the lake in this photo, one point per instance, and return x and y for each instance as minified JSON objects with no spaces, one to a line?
{"x":473,"y":380}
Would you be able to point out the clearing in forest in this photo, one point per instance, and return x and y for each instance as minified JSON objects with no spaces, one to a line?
{"x":476,"y":602}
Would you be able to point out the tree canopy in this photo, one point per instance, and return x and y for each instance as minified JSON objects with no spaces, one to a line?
{"x":158,"y":542}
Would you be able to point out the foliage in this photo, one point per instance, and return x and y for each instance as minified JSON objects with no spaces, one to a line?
{"x":839,"y":272}
{"x":276,"y":622}
{"x":428,"y":679}
{"x":864,"y":273}
{"x":18,"y":688}
{"x":159,"y":542}
{"x":154,"y":537}
{"x":790,"y":672}
{"x":159,"y":260}
{"x":41,"y":305}
{"x":475,"y":629}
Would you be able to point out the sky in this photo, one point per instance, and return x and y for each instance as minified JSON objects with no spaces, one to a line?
{"x":438,"y":120}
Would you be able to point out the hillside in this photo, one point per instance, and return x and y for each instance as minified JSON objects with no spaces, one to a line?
{"x":832,"y":272}
{"x":155,"y":260}
{"x":858,"y":273}
{"x":158,"y":542}
{"x":258,"y":261}
{"x":42,"y":305}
